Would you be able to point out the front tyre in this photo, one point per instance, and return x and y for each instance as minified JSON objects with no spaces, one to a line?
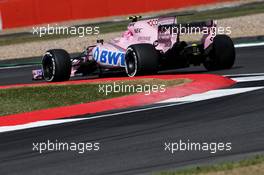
{"x":141,"y":59}
{"x":56,"y":65}
{"x":222,"y":54}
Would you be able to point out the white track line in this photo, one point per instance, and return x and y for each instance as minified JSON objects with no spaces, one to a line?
{"x":180,"y":101}
{"x":15,"y":67}
{"x":36,"y":124}
{"x":249,"y":44}
{"x":248,"y":79}
{"x":211,"y":94}
{"x":60,"y":121}
{"x":249,"y":74}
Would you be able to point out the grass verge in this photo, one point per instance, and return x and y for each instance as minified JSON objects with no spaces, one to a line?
{"x":251,"y":166}
{"x":25,"y":99}
{"x":120,"y":26}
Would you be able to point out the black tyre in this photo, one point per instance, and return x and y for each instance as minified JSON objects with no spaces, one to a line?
{"x":222,"y":54}
{"x":56,"y":65}
{"x":141,"y":59}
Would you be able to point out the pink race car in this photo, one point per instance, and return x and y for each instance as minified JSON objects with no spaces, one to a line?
{"x":146,"y":47}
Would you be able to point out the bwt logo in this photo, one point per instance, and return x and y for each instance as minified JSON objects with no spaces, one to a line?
{"x":109,"y":57}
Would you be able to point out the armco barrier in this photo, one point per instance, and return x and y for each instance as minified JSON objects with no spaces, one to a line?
{"x":18,"y":13}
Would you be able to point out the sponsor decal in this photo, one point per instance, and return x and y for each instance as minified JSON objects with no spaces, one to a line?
{"x":107,"y":57}
{"x":138,"y":30}
{"x":132,"y":24}
{"x":144,"y":38}
{"x":153,"y":22}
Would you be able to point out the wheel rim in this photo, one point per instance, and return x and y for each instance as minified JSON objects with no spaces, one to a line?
{"x":48,"y":67}
{"x":131,"y":63}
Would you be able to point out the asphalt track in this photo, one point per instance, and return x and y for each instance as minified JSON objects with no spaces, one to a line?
{"x":134,"y":143}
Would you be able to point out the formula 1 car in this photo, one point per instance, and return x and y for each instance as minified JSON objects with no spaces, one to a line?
{"x":146,"y":47}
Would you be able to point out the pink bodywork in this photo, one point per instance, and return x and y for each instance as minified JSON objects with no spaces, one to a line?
{"x":143,"y":31}
{"x":112,"y":54}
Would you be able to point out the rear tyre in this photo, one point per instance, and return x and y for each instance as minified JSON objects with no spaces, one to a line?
{"x":141,"y":59}
{"x":56,"y":65}
{"x":222,"y":54}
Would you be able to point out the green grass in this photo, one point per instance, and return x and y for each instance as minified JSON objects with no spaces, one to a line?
{"x":25,"y":99}
{"x":120,"y":26}
{"x":257,"y":160}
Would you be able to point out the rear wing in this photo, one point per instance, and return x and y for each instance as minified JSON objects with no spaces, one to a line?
{"x":170,"y":33}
